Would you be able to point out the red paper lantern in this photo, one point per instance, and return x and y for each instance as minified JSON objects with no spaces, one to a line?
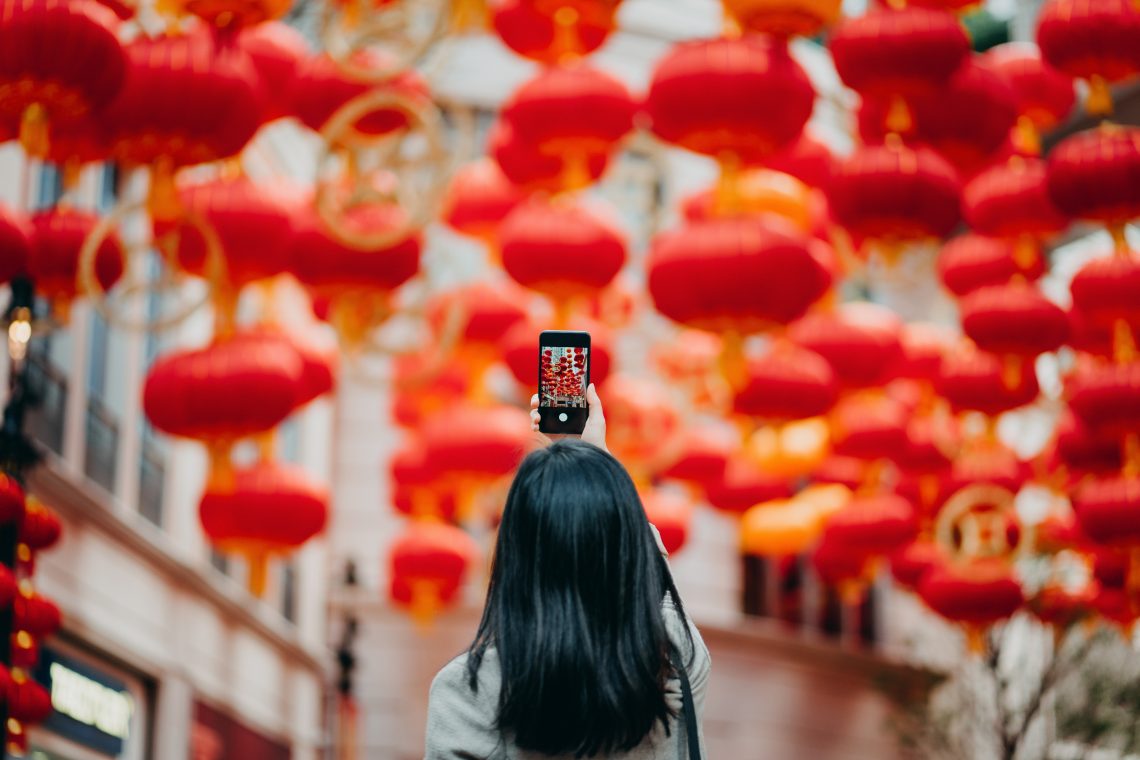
{"x":1045,"y":96}
{"x":186,"y":100}
{"x":478,"y":199}
{"x":868,"y":426}
{"x":252,"y":223}
{"x":487,"y":311}
{"x":980,"y":382}
{"x":911,"y":564}
{"x":41,"y":527}
{"x":969,"y":118}
{"x":1106,"y":397}
{"x":12,"y":500}
{"x":561,"y":249}
{"x":1095,"y":174}
{"x":988,"y":463}
{"x":783,"y":18}
{"x":236,"y":387}
{"x":969,"y":262}
{"x":697,"y":98}
{"x":234,"y":14}
{"x":786,"y":383}
{"x":553,"y":32}
{"x":841,"y":565}
{"x":979,"y":593}
{"x":8,"y":587}
{"x":322,"y":87}
{"x":270,"y":508}
{"x":894,"y":192}
{"x":924,"y":345}
{"x":905,"y":52}
{"x":703,"y":456}
{"x":83,"y":73}
{"x":477,"y":442}
{"x":1011,"y":200}
{"x":740,"y":275}
{"x":57,"y":239}
{"x":28,"y":702}
{"x":743,"y":486}
{"x":671,"y":513}
{"x":807,"y":159}
{"x":861,"y":341}
{"x":277,"y":51}
{"x":1108,"y":510}
{"x":428,"y":565}
{"x":571,"y":113}
{"x":1014,"y":320}
{"x":15,"y":243}
{"x":643,"y":423}
{"x":1105,"y":290}
{"x":846,"y":471}
{"x":424,"y":385}
{"x":35,"y":613}
{"x":521,"y":341}
{"x":1082,"y":450}
{"x":528,"y":166}
{"x":1096,"y":41}
{"x":873,"y":524}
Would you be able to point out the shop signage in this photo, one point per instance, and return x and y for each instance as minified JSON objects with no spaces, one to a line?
{"x":90,"y":707}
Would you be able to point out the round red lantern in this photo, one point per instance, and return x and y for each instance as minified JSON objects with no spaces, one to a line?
{"x":270,"y":508}
{"x":743,"y":486}
{"x":807,"y":159}
{"x":528,"y":166}
{"x":861,"y":341}
{"x":571,"y":113}
{"x":1108,"y":510}
{"x":978,"y":381}
{"x":233,"y":14}
{"x":35,"y":613}
{"x":53,"y":261}
{"x":643,"y":423}
{"x":560,"y":248}
{"x":8,"y":587}
{"x":783,"y":18}
{"x":1011,"y":200}
{"x":869,"y":426}
{"x":553,"y":32}
{"x":478,"y":199}
{"x":518,"y":347}
{"x":41,"y":527}
{"x":895,"y":193}
{"x":873,"y":524}
{"x":910,"y":565}
{"x":15,"y":243}
{"x":977,"y":594}
{"x":969,"y":262}
{"x":28,"y":702}
{"x":277,"y":52}
{"x":252,"y":223}
{"x":1105,"y":290}
{"x":476,"y":443}
{"x":1096,"y":41}
{"x":1044,"y":95}
{"x":1082,"y":450}
{"x":12,"y":500}
{"x":327,"y":265}
{"x":187,"y":100}
{"x":695,"y":98}
{"x":1095,"y":174}
{"x":235,"y":387}
{"x":703,"y":456}
{"x":428,"y":565}
{"x":83,"y":73}
{"x":1014,"y":320}
{"x":670,"y":512}
{"x":1106,"y":397}
{"x":786,"y":383}
{"x":738,"y":275}
{"x":487,"y":310}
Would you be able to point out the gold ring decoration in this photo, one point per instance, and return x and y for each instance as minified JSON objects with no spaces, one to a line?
{"x":402,"y":31}
{"x":407,"y":168}
{"x":150,"y":270}
{"x":974,"y":524}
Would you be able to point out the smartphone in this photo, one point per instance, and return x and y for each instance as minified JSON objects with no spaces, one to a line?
{"x":563,"y":375}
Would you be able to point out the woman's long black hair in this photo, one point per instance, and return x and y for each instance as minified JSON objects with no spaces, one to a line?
{"x":574,"y":608}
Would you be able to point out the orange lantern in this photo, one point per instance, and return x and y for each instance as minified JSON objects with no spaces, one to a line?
{"x":428,"y":565}
{"x":1091,"y":41}
{"x":232,"y":14}
{"x":695,"y":102}
{"x":269,"y":509}
{"x":562,"y":249}
{"x":753,"y":192}
{"x":571,"y":113}
{"x":82,"y":75}
{"x":783,"y":18}
{"x":778,"y":529}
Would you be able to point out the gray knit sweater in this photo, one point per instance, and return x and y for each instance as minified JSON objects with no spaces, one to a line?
{"x":460,"y":723}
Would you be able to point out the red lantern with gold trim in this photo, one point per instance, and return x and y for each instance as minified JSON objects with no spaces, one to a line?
{"x":740,"y":275}
{"x":786,"y":383}
{"x":528,"y":166}
{"x":1013,"y":320}
{"x":976,"y":594}
{"x":876,"y":524}
{"x":743,"y":486}
{"x":1105,"y":290}
{"x":1106,"y":397}
{"x":28,"y":701}
{"x":1095,"y":41}
{"x":83,"y":73}
{"x":428,"y":565}
{"x":783,"y":18}
{"x":969,"y":262}
{"x":57,"y":239}
{"x":562,"y":249}
{"x":973,"y":380}
{"x":277,"y":52}
{"x":41,"y":527}
{"x":1011,"y":200}
{"x":861,"y":341}
{"x":478,"y":199}
{"x":1045,"y":96}
{"x":35,"y":613}
{"x":518,"y":347}
{"x":1095,"y":174}
{"x":671,"y":513}
{"x":695,"y":102}
{"x":554,"y":32}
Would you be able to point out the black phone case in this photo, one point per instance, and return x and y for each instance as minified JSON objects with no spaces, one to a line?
{"x":550,"y":418}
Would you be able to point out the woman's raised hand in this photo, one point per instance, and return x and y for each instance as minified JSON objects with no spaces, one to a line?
{"x":595,"y":430}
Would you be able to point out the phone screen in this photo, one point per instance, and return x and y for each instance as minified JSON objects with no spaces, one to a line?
{"x":563,"y":374}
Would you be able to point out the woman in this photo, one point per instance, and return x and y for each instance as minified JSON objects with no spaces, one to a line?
{"x":575,"y":655}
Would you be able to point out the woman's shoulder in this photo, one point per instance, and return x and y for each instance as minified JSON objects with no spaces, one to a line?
{"x":461,"y":720}
{"x":454,"y":679}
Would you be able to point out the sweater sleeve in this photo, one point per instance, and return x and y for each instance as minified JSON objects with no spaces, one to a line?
{"x":460,"y":722}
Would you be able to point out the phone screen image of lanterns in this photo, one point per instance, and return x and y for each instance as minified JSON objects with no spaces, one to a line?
{"x":563,"y":376}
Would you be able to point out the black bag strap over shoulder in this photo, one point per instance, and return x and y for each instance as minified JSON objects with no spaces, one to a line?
{"x":688,"y":711}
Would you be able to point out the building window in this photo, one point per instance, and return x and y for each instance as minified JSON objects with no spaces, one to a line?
{"x":289,"y":590}
{"x":50,"y":188}
{"x":102,"y":453}
{"x":152,"y":476}
{"x":48,"y":387}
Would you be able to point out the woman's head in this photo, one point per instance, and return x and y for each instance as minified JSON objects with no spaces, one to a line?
{"x":574,"y":607}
